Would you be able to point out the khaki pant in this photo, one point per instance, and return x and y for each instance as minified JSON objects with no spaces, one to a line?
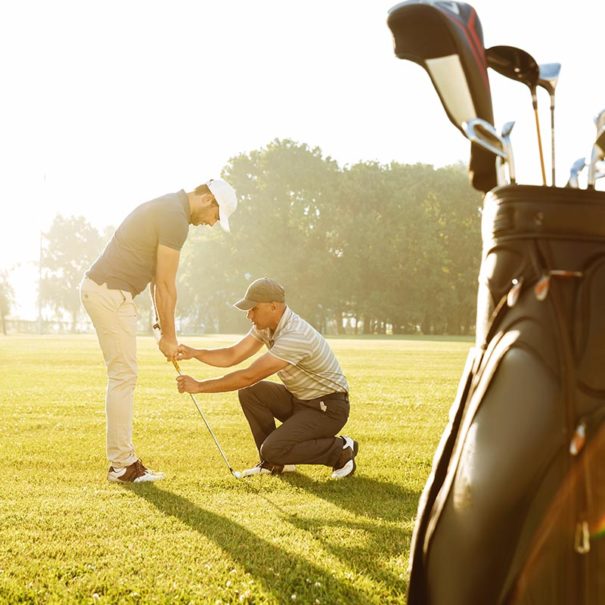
{"x":114,"y":316}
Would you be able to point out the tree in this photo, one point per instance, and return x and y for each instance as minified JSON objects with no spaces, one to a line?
{"x":72,"y":244}
{"x":6,"y":299}
{"x":395,"y":245}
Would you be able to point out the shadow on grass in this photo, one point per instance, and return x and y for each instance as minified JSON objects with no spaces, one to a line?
{"x":256,"y":556}
{"x":362,"y":496}
{"x":381,"y":536}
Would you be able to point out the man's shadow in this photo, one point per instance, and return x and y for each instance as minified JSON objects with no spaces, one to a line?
{"x":244,"y":547}
{"x":383,"y":519}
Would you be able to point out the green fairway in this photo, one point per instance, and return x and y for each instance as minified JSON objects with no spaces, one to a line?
{"x":201,"y":536}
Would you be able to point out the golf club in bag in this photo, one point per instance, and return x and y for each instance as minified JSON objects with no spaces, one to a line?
{"x":513,"y":511}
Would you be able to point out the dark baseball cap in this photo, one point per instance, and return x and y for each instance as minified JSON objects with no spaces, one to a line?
{"x":261,"y":290}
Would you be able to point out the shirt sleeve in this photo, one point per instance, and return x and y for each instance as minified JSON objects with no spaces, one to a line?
{"x":257,"y":334}
{"x":173,"y":230}
{"x":289,"y":349}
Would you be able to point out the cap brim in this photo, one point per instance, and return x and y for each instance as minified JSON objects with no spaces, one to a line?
{"x":244,"y":304}
{"x":225,"y":224}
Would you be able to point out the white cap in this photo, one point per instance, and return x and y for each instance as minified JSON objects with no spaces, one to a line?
{"x":226,"y":199}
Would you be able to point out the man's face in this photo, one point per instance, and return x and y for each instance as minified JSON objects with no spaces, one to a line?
{"x":206,"y":212}
{"x":262,"y":315}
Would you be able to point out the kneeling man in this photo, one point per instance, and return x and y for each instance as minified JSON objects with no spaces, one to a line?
{"x":313,"y":402}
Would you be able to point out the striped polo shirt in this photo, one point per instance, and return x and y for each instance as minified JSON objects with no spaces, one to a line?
{"x":313,"y":369}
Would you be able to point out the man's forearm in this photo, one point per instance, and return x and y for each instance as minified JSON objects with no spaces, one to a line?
{"x":230,"y":382}
{"x":165,"y":304}
{"x":220,"y":358}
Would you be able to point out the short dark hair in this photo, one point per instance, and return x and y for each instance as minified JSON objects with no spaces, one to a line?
{"x":201,"y":189}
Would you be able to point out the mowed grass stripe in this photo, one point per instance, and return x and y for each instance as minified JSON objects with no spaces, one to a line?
{"x":67,"y":536}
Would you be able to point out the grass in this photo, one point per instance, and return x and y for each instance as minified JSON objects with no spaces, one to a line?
{"x":68,"y":536}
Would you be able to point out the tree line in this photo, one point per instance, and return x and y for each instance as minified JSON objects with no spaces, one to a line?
{"x":367,"y":248}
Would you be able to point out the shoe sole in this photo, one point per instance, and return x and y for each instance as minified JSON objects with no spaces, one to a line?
{"x":337,"y":477}
{"x":142,"y":479}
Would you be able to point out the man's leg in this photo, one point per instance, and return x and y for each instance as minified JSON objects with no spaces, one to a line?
{"x":262,"y":403}
{"x":307,"y":437}
{"x":114,"y":317}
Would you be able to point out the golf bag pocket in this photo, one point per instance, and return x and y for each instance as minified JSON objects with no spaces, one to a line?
{"x":508,"y":437}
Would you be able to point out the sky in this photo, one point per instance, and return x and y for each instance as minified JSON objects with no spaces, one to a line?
{"x":107,"y":104}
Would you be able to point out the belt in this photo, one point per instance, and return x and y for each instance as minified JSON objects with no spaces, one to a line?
{"x":327,"y":397}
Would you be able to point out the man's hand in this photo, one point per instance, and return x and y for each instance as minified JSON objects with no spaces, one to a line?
{"x":185,"y":352}
{"x":186,"y":384}
{"x":168,"y":347}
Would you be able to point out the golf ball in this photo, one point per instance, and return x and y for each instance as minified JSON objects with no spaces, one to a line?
{"x":237,"y":474}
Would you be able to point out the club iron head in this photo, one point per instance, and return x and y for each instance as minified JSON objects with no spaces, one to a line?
{"x":598,"y":154}
{"x":505,"y":134}
{"x":482,"y":133}
{"x":574,"y":172}
{"x":599,"y":120}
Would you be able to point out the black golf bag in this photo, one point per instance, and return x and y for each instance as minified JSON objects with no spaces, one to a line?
{"x":514,"y":508}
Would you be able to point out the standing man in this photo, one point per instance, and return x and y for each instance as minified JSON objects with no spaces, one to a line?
{"x":144,"y":249}
{"x":313,"y":402}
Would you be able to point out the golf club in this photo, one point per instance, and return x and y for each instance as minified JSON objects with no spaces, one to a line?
{"x":519,"y":65}
{"x":600,"y":120}
{"x":598,"y":154}
{"x":157,"y":332}
{"x":549,"y":76}
{"x":482,"y":133}
{"x":446,"y":39}
{"x":574,"y":172}
{"x":505,"y":134}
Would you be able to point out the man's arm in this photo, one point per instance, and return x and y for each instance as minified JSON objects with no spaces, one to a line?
{"x":224,"y":357}
{"x":261,"y":368}
{"x":164,"y":291}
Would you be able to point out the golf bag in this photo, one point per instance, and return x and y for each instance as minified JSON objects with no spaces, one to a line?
{"x":514,"y":507}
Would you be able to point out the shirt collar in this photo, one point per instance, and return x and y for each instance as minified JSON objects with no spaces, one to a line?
{"x":282,"y":322}
{"x":185,"y":201}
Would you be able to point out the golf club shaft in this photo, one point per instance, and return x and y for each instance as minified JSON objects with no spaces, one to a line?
{"x":552,"y":136}
{"x":199,"y":409}
{"x":540,"y":144}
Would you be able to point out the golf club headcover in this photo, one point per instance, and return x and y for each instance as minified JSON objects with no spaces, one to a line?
{"x":446,"y":39}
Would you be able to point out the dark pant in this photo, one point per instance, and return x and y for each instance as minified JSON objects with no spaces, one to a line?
{"x":306,"y":435}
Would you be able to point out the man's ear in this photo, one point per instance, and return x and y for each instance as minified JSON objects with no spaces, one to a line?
{"x":207,"y":199}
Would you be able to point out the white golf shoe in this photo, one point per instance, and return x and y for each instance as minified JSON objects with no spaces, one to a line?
{"x":346,"y":466}
{"x":265,"y":468}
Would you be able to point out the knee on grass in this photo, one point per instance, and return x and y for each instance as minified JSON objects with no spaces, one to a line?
{"x":273,"y":452}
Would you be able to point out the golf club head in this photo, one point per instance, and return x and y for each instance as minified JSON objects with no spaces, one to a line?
{"x":519,"y":65}
{"x":574,"y":172}
{"x":514,"y":63}
{"x":507,"y":129}
{"x":446,"y":39}
{"x":598,"y":154}
{"x":549,"y":76}
{"x":484,"y":134}
{"x":505,"y":134}
{"x":599,"y":120}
